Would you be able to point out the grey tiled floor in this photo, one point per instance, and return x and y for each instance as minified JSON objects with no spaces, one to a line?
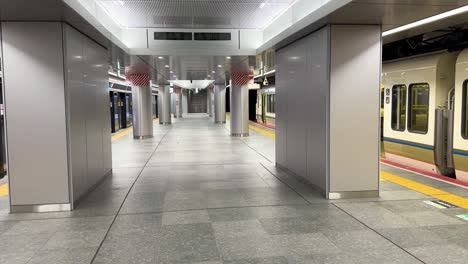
{"x":193,"y":194}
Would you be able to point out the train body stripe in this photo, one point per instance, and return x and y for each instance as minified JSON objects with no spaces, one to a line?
{"x":460,"y":153}
{"x":411,"y":144}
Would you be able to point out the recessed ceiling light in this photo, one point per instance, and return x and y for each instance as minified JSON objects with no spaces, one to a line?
{"x":220,"y":66}
{"x":213,"y":71}
{"x":171,"y":71}
{"x":228,"y":57}
{"x":167,"y":66}
{"x":161,"y":57}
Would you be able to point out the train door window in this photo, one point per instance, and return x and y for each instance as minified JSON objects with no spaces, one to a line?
{"x":418,"y":108}
{"x":399,"y":107}
{"x":465,"y":111}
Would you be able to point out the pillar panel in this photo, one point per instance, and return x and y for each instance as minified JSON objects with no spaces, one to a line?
{"x":209,"y":103}
{"x":178,"y":102}
{"x":327,"y":112}
{"x":139,"y":80}
{"x":164,"y":105}
{"x":220,"y":104}
{"x":240,"y":78}
{"x":142,"y":114}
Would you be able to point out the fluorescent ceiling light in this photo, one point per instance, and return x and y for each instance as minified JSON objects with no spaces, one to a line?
{"x":167,"y":66}
{"x":220,"y":66}
{"x":161,"y":57}
{"x":428,"y":20}
{"x":228,"y":57}
{"x":213,"y":71}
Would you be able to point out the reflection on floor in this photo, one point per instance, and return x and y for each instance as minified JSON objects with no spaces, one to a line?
{"x":193,"y":194}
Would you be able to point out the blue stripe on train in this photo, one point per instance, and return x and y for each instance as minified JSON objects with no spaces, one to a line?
{"x":408,"y":144}
{"x":459,"y":153}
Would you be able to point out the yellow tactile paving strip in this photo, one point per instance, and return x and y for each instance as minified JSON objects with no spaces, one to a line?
{"x":427,"y":190}
{"x":412,"y":185}
{"x":4,"y":190}
{"x":262,"y":131}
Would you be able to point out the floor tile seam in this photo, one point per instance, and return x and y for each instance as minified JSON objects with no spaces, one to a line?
{"x":378,"y":233}
{"x":207,"y":164}
{"x":215,"y":208}
{"x":287,"y":185}
{"x":125,"y":198}
{"x":225,"y":127}
{"x":42,"y":246}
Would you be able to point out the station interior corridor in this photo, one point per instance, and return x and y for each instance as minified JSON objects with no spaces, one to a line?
{"x":194,"y":194}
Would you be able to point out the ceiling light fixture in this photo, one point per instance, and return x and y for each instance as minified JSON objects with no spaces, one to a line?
{"x":220,"y":66}
{"x":428,"y":20}
{"x":161,"y":57}
{"x":167,"y":66}
{"x":213,"y":71}
{"x":228,"y":57}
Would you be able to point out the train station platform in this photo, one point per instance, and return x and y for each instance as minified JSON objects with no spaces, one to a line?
{"x":194,"y":194}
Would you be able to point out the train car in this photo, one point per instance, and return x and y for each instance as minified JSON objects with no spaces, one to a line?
{"x":416,"y":91}
{"x":460,"y":117}
{"x":266,"y":101}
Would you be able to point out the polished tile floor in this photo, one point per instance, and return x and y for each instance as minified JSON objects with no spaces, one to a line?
{"x":193,"y":194}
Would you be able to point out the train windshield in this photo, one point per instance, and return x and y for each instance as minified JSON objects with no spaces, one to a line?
{"x":419,"y":108}
{"x":399,"y":107}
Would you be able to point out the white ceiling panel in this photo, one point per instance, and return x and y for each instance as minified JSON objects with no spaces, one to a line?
{"x":232,"y":14}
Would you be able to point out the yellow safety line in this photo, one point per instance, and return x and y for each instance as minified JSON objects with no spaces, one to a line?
{"x":4,"y":190}
{"x":427,"y":190}
{"x":412,"y":185}
{"x":126,"y":131}
{"x":262,"y":131}
{"x":121,"y":133}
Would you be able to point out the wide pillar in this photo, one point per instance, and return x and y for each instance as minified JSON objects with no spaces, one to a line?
{"x":220,"y":104}
{"x":139,"y":79}
{"x":142,"y":112}
{"x":164,"y":104}
{"x":71,"y":151}
{"x":327,"y":129}
{"x":178,"y":102}
{"x":209,"y":103}
{"x":240,"y":78}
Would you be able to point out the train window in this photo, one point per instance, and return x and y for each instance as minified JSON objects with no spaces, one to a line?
{"x":399,"y":107}
{"x":418,"y":108}
{"x":465,"y":111}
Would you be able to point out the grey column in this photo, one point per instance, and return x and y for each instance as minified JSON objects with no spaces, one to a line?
{"x":239,"y":110}
{"x":220,"y":104}
{"x":164,"y":105}
{"x":208,"y":102}
{"x":179,"y":108}
{"x":142,"y":114}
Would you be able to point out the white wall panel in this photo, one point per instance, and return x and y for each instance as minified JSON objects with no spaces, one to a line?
{"x":35,"y":113}
{"x":88,"y":111}
{"x":354,"y":108}
{"x":302,"y":92}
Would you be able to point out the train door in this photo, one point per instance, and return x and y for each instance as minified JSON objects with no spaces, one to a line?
{"x":129,"y":109}
{"x":253,"y":105}
{"x":115,"y":117}
{"x":155,"y":106}
{"x":123,"y":110}
{"x":2,"y":136}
